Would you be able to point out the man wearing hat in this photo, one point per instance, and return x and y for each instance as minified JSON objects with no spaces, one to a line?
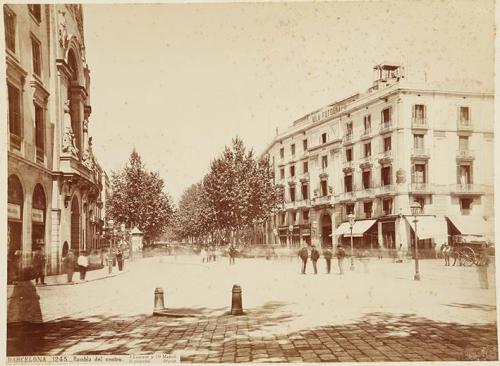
{"x":340,"y":254}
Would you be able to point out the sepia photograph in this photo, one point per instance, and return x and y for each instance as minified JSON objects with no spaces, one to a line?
{"x":249,"y":182}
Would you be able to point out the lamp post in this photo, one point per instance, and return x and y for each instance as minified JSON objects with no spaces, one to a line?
{"x":351,"y":218}
{"x":415,"y":210}
{"x":110,"y":256}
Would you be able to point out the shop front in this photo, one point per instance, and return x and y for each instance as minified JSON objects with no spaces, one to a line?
{"x":15,"y":202}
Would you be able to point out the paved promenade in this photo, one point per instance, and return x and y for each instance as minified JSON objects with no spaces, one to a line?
{"x":380,"y":314}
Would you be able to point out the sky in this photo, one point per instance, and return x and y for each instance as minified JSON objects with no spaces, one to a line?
{"x":178,"y":81}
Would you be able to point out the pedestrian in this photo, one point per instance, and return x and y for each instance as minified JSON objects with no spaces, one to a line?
{"x":399,"y":254}
{"x":69,"y":264}
{"x":303,"y":254}
{"x":314,"y":258}
{"x":482,"y":267}
{"x":445,"y":249}
{"x":232,"y":254}
{"x":203,"y":254}
{"x":39,"y":261}
{"x":83,"y":263}
{"x":379,"y":251}
{"x":119,"y":259}
{"x":327,"y":254}
{"x":340,"y":254}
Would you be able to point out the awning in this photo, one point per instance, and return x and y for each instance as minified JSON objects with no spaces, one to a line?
{"x":430,"y":227}
{"x":358,"y":229}
{"x":473,"y":225}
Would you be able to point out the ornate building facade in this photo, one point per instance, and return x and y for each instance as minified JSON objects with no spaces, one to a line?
{"x":54,"y":182}
{"x":374,"y":153}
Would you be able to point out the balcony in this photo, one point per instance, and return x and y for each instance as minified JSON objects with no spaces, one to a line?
{"x":386,"y":190}
{"x":322,"y":200}
{"x":348,"y":139}
{"x":465,"y":155}
{"x":467,"y":189}
{"x":420,"y":153}
{"x":303,"y":203}
{"x":464,"y":125}
{"x":366,"y":134}
{"x":385,"y":157}
{"x":366,"y":192}
{"x":346,"y":196}
{"x":348,"y":166}
{"x":421,"y":188}
{"x":290,"y":204}
{"x":386,"y":126}
{"x":419,"y":123}
{"x":365,"y":162}
{"x":292,"y":181}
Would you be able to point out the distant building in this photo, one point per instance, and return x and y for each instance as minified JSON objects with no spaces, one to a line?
{"x":54,"y":181}
{"x":373,"y":154}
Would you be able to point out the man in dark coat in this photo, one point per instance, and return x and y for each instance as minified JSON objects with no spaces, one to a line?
{"x":39,"y":261}
{"x":303,"y":254}
{"x":314,"y":258}
{"x":327,"y":254}
{"x":340,"y":254}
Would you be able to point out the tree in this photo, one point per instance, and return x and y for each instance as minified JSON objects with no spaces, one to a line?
{"x":138,"y":199}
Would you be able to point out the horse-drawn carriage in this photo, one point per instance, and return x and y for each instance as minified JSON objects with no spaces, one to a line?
{"x":470,"y":249}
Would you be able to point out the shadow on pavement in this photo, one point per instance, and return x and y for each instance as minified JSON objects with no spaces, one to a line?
{"x":211,"y":336}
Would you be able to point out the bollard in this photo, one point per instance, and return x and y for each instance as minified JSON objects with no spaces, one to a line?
{"x":236,"y":303}
{"x":159,"y":304}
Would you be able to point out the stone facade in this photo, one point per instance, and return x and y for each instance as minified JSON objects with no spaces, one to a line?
{"x":55,"y":183}
{"x":374,"y":153}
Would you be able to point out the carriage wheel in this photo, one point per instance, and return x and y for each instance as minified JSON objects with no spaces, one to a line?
{"x":468,"y":256}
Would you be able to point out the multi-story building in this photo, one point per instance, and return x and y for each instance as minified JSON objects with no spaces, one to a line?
{"x":374,"y":153}
{"x":54,"y":182}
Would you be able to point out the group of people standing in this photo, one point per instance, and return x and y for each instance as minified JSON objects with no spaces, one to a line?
{"x":208,"y":254}
{"x":82,"y":261}
{"x":305,"y":253}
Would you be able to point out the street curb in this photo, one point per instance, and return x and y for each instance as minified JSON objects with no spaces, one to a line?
{"x":83,"y":282}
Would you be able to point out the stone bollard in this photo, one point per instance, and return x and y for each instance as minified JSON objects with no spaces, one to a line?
{"x":159,"y":304}
{"x":236,"y":303}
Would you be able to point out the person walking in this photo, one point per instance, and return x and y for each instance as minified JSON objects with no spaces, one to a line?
{"x":69,"y":265}
{"x":340,"y":254}
{"x":314,"y":258}
{"x":39,"y":261}
{"x":83,"y":263}
{"x":303,"y":254}
{"x":327,"y":254}
{"x":446,"y":254}
{"x":232,"y":254}
{"x":203,"y":254}
{"x":119,"y":259}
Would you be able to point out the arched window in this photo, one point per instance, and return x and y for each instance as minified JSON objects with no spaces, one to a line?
{"x":38,"y":213}
{"x":15,"y":214}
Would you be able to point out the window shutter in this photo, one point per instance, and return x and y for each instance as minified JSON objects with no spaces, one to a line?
{"x":413,"y":113}
{"x":458,"y":174}
{"x":413,"y":174}
{"x":471,"y":174}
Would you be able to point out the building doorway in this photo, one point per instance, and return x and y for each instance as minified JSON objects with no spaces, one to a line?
{"x":326,"y":230}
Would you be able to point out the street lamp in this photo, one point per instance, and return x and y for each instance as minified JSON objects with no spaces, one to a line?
{"x":111,"y":223}
{"x":415,"y":210}
{"x":351,"y":218}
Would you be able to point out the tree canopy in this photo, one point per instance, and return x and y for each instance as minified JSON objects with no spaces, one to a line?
{"x":138,"y":199}
{"x":237,"y":193}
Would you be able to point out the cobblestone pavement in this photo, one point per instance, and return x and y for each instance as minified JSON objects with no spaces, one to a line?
{"x":380,"y":315}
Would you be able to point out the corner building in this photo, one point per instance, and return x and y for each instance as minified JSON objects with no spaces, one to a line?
{"x":374,"y":153}
{"x":54,"y":181}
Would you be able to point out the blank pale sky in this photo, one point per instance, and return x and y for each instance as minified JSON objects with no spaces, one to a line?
{"x":179,"y":81}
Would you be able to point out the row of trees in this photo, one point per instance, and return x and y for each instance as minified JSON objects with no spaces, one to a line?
{"x":237,"y":194}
